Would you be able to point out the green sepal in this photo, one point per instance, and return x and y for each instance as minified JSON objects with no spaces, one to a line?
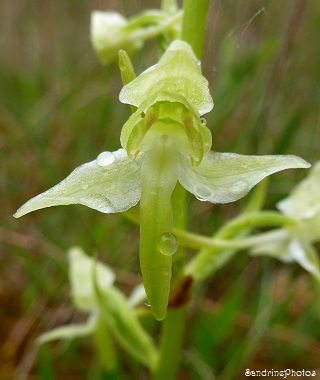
{"x":108,"y":184}
{"x":178,"y":72}
{"x":227,"y":177}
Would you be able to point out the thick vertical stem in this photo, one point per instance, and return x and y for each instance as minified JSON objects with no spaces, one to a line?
{"x":194,"y":23}
{"x":159,"y":175}
{"x":171,"y":344}
{"x":169,"y":6}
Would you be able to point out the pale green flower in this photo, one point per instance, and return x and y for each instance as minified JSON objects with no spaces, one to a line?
{"x":111,"y":32}
{"x":165,"y":141}
{"x":171,"y":96}
{"x":82,"y":270}
{"x":93,"y":292}
{"x":295,"y":243}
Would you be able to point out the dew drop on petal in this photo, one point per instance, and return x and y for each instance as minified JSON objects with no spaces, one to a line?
{"x":202,"y":193}
{"x":105,"y":158}
{"x":239,"y":186}
{"x":168,"y":244}
{"x":84,"y":185}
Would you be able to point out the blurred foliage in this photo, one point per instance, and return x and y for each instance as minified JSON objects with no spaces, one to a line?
{"x":59,"y":108}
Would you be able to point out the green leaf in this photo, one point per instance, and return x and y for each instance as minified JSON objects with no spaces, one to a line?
{"x":108,"y":184}
{"x":177,"y":72}
{"x":227,"y":177}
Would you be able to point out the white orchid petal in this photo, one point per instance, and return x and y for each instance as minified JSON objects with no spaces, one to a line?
{"x":137,"y":296}
{"x":304,"y":200}
{"x":227,"y":177}
{"x":275,"y":246}
{"x":82,"y":269}
{"x":70,"y":331}
{"x":108,"y":184}
{"x":306,"y":256}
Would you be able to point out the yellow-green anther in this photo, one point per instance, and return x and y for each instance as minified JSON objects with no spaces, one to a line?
{"x":159,"y":173}
{"x":152,"y":115}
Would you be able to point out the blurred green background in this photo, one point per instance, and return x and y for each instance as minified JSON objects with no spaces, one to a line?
{"x":59,"y":108}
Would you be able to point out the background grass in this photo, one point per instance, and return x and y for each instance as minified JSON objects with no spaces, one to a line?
{"x":59,"y":108}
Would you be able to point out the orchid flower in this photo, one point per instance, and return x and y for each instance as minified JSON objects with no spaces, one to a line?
{"x":93,"y":292}
{"x":294,"y":243}
{"x":164,"y":141}
{"x":111,"y":32}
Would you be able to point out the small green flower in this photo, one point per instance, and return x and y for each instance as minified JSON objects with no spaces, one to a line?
{"x":294,"y":243}
{"x":93,"y":292}
{"x":170,"y":96}
{"x":82,"y":270}
{"x":111,"y":32}
{"x":165,"y":141}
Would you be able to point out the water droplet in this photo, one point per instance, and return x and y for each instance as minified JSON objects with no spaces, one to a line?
{"x":84,"y":185}
{"x":147,"y":304}
{"x":200,"y":199}
{"x":168,"y":244}
{"x":239,"y":186}
{"x":202,"y":193}
{"x":105,"y":158}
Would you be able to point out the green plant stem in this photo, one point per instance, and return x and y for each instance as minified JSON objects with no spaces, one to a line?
{"x":251,"y":220}
{"x":199,"y":241}
{"x":169,"y":6}
{"x":171,"y":344}
{"x":194,"y":23}
{"x":217,"y":252}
